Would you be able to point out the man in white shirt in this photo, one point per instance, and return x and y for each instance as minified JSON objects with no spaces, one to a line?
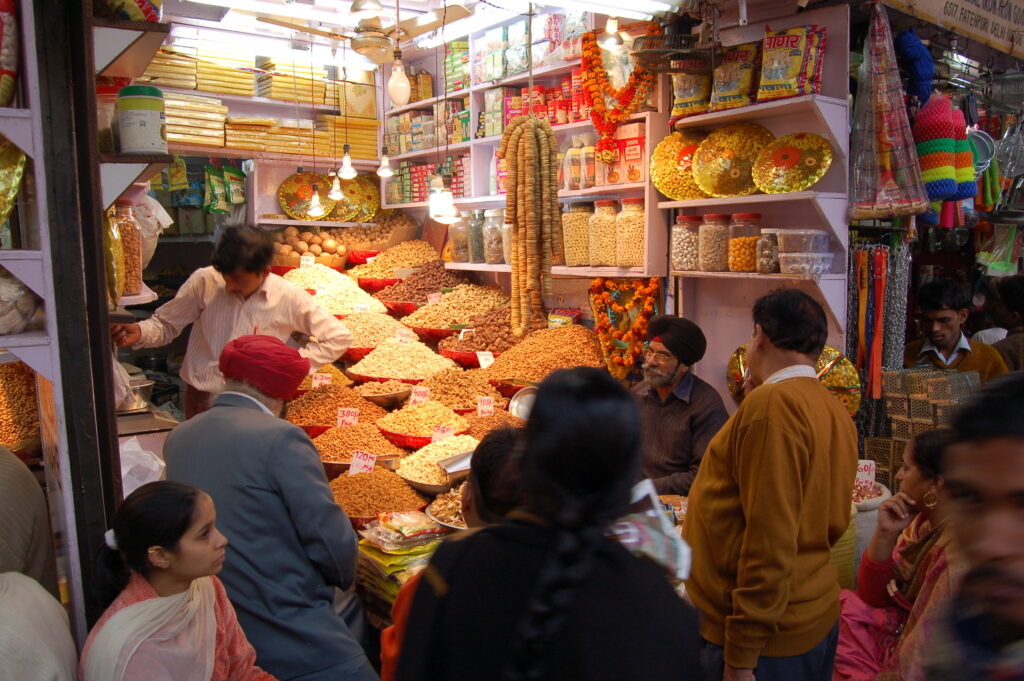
{"x":236,"y":296}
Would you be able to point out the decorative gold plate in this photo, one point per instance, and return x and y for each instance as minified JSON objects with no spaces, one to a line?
{"x":723,"y":162}
{"x":296,"y":192}
{"x":672,"y":165}
{"x":792,"y":163}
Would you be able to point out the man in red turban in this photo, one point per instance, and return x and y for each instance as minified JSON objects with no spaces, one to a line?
{"x":276,"y":509}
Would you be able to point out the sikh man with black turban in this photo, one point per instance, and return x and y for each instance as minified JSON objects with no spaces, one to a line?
{"x":680,"y":412}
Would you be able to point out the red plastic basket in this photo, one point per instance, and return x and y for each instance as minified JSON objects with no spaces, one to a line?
{"x":299,"y":393}
{"x":315,"y":431}
{"x":464,"y":358}
{"x":472,"y":412}
{"x":353,"y":355}
{"x":359,"y":378}
{"x":433,"y":335}
{"x":360,"y":257}
{"x":374,"y":285}
{"x":400,"y":309}
{"x":508,"y":388}
{"x":281,"y":270}
{"x":409,"y":441}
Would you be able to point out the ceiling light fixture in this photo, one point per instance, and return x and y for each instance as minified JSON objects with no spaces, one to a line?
{"x":336,"y":194}
{"x":316,"y":209}
{"x":347,"y":172}
{"x":610,"y":39}
{"x":442,"y":202}
{"x":385,"y":164}
{"x":399,"y":88}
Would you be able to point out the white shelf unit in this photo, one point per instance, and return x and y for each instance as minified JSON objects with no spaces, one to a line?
{"x":720,"y":302}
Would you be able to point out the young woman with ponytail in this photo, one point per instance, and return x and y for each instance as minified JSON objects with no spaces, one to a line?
{"x":546,"y":594}
{"x":167,"y":616}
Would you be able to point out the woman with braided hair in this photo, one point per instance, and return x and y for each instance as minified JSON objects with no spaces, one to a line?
{"x":546,"y":594}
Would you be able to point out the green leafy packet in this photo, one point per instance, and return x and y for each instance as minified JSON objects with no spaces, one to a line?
{"x":234,"y":180}
{"x":216,"y":191}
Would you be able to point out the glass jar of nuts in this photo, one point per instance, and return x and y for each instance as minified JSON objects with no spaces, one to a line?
{"x":685,"y":240}
{"x":743,"y":235}
{"x":713,"y":243}
{"x":493,"y":221}
{"x":768,"y":252}
{"x":602,"y":234}
{"x":630,"y":228}
{"x":458,"y":237}
{"x":576,"y":233}
{"x":131,"y":240}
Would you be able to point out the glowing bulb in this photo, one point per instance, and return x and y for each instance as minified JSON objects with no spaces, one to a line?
{"x":385,"y":165}
{"x":610,"y":39}
{"x":366,"y":9}
{"x":442,"y":202}
{"x":399,"y":88}
{"x":336,"y":194}
{"x":347,"y":172}
{"x":316,"y":208}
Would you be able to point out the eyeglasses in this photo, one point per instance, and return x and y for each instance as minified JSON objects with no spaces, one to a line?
{"x":659,"y":357}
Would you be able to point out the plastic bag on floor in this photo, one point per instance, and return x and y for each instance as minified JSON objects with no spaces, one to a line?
{"x":138,"y":466}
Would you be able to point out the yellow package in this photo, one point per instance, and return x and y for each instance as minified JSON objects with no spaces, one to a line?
{"x":784,"y":63}
{"x":734,"y":80}
{"x":691,"y":94}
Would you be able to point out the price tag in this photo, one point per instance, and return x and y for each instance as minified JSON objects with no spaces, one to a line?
{"x":485,"y":358}
{"x":485,"y":406}
{"x":463,"y":332}
{"x":433,"y":298}
{"x":362,"y":462}
{"x":420,"y":394}
{"x":361,"y":307}
{"x":405,"y":335}
{"x":371,"y":258}
{"x":442,"y":433}
{"x":347,"y":416}
{"x":865,"y":470}
{"x":307,"y":261}
{"x":321,"y":379}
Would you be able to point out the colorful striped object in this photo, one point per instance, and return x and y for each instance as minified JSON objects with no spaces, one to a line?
{"x":934,"y":134}
{"x":966,"y":185}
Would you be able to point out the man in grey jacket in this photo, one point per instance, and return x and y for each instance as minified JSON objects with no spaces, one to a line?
{"x":290,"y":545}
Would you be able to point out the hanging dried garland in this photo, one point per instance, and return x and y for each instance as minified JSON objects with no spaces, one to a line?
{"x":622,"y":309}
{"x":596,"y":86}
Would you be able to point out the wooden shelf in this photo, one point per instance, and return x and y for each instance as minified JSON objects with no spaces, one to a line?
{"x":185,"y":238}
{"x":27,"y":266}
{"x":16,"y":125}
{"x":267,"y":156}
{"x":601,"y":192}
{"x":451,"y":148}
{"x":124,"y":48}
{"x":425,"y":103}
{"x":308,"y":223}
{"x":519,"y":78}
{"x":120,"y":171}
{"x":28,"y":339}
{"x":558,"y":270}
{"x":288,"y":108}
{"x":764,"y":277}
{"x":755,"y":199}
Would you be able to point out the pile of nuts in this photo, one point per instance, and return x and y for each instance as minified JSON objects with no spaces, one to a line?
{"x":685,"y":245}
{"x":337,"y":377}
{"x":405,"y":255}
{"x":370,"y":329}
{"x":447,"y":507}
{"x":365,"y":235}
{"x":430,"y":278}
{"x":338,"y":443}
{"x":291,"y":244}
{"x":419,"y":420}
{"x":343,"y":301}
{"x":459,"y":389}
{"x":490,"y":331}
{"x":479,"y":426}
{"x":379,"y":491}
{"x":318,"y":277}
{"x":458,"y":307}
{"x":19,"y":412}
{"x":576,"y":234}
{"x":382,"y":388}
{"x":743,"y":253}
{"x":713,"y":248}
{"x":548,"y":350}
{"x":421,"y":466}
{"x":602,"y":235}
{"x":630,"y":231}
{"x":401,"y":360}
{"x":319,"y":407}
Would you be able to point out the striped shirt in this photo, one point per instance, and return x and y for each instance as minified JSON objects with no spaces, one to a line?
{"x":276,"y":309}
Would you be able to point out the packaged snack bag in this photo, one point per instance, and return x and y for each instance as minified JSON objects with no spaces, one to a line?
{"x":691,"y":94}
{"x":735,"y":79}
{"x":784,"y":63}
{"x":234,"y":181}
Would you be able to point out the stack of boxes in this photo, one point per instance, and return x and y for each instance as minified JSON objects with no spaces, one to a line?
{"x":359,"y":133}
{"x":489,"y":56}
{"x":355,"y":96}
{"x":421,"y":85}
{"x":456,"y":66}
{"x":411,"y":182}
{"x":225,"y":72}
{"x":172,"y":67}
{"x":456,"y":126}
{"x":247,"y":132}
{"x":630,"y":163}
{"x":409,"y":131}
{"x":292,"y":82}
{"x":194,"y":120}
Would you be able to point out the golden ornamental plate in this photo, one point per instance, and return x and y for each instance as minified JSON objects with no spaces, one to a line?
{"x":723,"y":162}
{"x":792,"y":163}
{"x":672,"y":165}
{"x":835,"y":371}
{"x":12,"y":170}
{"x":371,"y":192}
{"x":347,"y":209}
{"x":296,"y":192}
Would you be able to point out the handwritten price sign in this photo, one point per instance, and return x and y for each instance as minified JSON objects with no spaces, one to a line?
{"x":321,"y":379}
{"x":865,"y":470}
{"x":485,"y":358}
{"x":362,"y":462}
{"x":405,"y":335}
{"x":420,"y":394}
{"x":348,"y":416}
{"x":307,"y":261}
{"x":442,"y":433}
{"x":360,"y":307}
{"x":465,"y":332}
{"x":485,"y":406}
{"x":433,"y":298}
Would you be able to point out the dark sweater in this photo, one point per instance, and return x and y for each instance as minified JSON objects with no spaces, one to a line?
{"x":982,"y":358}
{"x":676,"y":432}
{"x":1012,"y":350}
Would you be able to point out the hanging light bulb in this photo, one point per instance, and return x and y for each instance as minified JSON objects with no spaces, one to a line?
{"x":385,"y":164}
{"x":347,"y":172}
{"x":366,"y":9}
{"x":336,"y":194}
{"x":610,"y":39}
{"x":399,"y":88}
{"x":316,"y":209}
{"x":442,"y":202}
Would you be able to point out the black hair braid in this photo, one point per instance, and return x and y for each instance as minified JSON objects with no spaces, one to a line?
{"x":110,"y":577}
{"x":567,"y":568}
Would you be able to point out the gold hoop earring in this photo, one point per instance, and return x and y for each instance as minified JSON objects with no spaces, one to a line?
{"x":930,"y":504}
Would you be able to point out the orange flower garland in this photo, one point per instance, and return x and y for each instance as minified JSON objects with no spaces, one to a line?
{"x":622,"y":309}
{"x":596,"y":86}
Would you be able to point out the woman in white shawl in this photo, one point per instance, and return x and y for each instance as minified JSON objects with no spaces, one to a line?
{"x":168,"y":616}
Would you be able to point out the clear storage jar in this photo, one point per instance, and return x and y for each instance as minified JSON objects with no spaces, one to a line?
{"x":475,"y":220}
{"x":685,"y":243}
{"x":744,"y":231}
{"x":131,"y":242}
{"x":768,"y":252}
{"x":576,"y":234}
{"x":493,"y":221}
{"x":602,"y":234}
{"x":713,"y":243}
{"x":630,"y":229}
{"x":458,"y":236}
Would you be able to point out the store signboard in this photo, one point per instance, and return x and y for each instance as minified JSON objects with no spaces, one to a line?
{"x":996,"y":23}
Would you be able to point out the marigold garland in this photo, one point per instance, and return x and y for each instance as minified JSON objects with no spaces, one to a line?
{"x":622,"y":336}
{"x":596,"y":86}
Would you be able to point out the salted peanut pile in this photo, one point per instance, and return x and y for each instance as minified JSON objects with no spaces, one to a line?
{"x":459,"y":389}
{"x":19,"y":413}
{"x":421,"y":465}
{"x":319,"y":407}
{"x":490,"y":331}
{"x":447,"y":507}
{"x":419,"y":420}
{"x":338,"y":443}
{"x":389,"y":387}
{"x":317,"y":277}
{"x":378,"y":491}
{"x":337,"y":377}
{"x":401,"y":360}
{"x":430,"y":278}
{"x":457,"y":307}
{"x":344,"y":301}
{"x":479,"y":426}
{"x":404,"y":255}
{"x":370,"y":329}
{"x":548,"y":350}
{"x":335,"y":292}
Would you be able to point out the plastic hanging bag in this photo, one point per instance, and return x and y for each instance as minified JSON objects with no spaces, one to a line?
{"x":138,"y":466}
{"x":153,"y":219}
{"x":113,"y":260}
{"x":234,"y":181}
{"x":999,"y":255}
{"x":216,"y":191}
{"x":177,"y":175}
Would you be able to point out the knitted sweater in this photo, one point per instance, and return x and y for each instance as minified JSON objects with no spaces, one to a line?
{"x":771,"y":499}
{"x":982,"y":358}
{"x":1012,"y":350}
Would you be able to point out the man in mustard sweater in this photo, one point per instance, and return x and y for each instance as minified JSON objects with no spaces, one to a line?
{"x":944,"y":310}
{"x":771,"y":498}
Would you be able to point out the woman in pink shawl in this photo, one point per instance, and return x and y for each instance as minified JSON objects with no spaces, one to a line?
{"x":906,"y":574}
{"x":168,"y":617}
